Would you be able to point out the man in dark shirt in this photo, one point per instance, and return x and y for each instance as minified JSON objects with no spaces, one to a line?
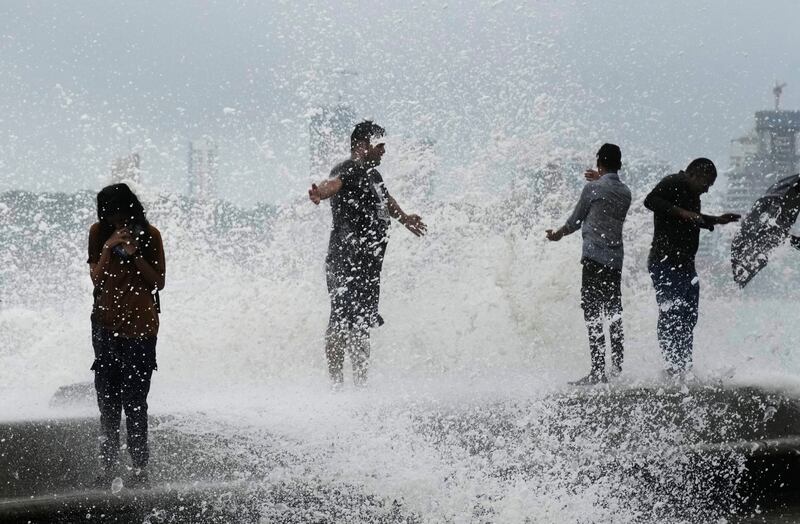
{"x":361,"y":207}
{"x":675,"y":203}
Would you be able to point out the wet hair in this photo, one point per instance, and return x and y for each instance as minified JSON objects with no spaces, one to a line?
{"x":703,"y":167}
{"x":610,"y":157}
{"x":119,"y":199}
{"x":364,"y":132}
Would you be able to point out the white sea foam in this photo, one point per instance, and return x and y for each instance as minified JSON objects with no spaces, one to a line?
{"x":481,"y":311}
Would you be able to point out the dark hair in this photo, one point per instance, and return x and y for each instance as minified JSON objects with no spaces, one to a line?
{"x":364,"y":132}
{"x":702,"y":166}
{"x":610,"y":157}
{"x":118,"y":198}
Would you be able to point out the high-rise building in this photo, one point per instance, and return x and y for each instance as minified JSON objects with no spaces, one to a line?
{"x":329,"y":137}
{"x":202,"y":168}
{"x":125,"y":169}
{"x":764,"y":156}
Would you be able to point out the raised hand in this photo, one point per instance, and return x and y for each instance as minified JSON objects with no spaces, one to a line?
{"x":120,"y":236}
{"x":314,"y":194}
{"x":415,"y":224}
{"x":727,"y":218}
{"x":131,"y":245}
{"x":554,"y":235}
{"x":591,"y":175}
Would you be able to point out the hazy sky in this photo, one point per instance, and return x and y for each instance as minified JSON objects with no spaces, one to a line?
{"x":85,"y":81}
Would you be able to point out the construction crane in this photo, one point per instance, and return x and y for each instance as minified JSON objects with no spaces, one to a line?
{"x":778,"y":91}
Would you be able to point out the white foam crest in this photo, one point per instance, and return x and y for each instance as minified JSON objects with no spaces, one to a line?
{"x":484,"y":292}
{"x":482,"y":309}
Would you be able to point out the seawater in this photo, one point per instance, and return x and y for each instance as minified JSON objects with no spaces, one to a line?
{"x":482,"y":317}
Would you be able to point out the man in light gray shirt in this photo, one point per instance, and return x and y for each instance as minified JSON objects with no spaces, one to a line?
{"x":600,"y":214}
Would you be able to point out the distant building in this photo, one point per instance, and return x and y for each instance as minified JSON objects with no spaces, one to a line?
{"x":766,"y":155}
{"x":329,"y":137}
{"x":125,"y":169}
{"x":202,"y":168}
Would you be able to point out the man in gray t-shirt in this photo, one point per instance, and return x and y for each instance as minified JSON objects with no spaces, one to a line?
{"x":600,"y":214}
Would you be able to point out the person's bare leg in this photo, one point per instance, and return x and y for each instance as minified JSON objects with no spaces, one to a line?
{"x":617,"y":345}
{"x":335,"y":343}
{"x":359,"y":356}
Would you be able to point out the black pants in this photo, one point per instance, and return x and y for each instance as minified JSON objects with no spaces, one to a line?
{"x":601,"y":297}
{"x":353,"y":276}
{"x":354,"y":286}
{"x":122,"y":371}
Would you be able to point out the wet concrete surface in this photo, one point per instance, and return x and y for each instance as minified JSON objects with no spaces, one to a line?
{"x":691,"y":454}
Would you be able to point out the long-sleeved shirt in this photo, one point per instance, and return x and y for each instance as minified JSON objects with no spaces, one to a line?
{"x":675,"y":240}
{"x":600,"y":214}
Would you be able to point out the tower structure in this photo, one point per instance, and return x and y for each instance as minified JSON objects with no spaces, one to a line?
{"x":766,"y":155}
{"x":125,"y":169}
{"x":202,"y":168}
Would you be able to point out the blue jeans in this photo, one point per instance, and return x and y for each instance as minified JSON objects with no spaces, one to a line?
{"x":678,"y":298}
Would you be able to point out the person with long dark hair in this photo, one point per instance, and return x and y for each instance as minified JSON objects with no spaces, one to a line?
{"x":126,"y":261}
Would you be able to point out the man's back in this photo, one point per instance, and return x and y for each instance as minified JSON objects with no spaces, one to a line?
{"x":600,"y":214}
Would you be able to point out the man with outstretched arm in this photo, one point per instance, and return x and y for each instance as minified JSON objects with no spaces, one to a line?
{"x":675,"y":203}
{"x":362,"y":208}
{"x":600,"y":214}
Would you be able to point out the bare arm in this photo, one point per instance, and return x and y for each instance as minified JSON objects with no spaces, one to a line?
{"x":395,"y":211}
{"x":153,"y":273}
{"x":658,"y":201}
{"x":154,"y":277}
{"x":725,"y":218}
{"x":151,"y":276}
{"x":325,"y":189}
{"x":97,"y":269}
{"x":412,"y":222}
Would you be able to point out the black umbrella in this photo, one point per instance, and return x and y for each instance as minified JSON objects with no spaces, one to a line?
{"x":764,"y":228}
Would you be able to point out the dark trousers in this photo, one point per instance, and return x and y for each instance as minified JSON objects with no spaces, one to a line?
{"x":354,"y":280}
{"x":601,"y":298}
{"x":122,"y":371}
{"x":678,"y":297}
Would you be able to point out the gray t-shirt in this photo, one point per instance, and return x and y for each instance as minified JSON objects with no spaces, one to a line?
{"x":600,"y":214}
